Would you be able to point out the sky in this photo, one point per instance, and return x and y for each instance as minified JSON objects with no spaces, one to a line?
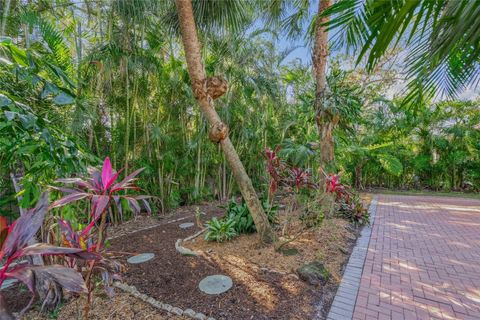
{"x":303,"y":53}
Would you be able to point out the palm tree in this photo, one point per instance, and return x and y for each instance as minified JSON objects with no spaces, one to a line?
{"x":441,"y":37}
{"x":218,"y":129}
{"x":325,"y":120}
{"x":292,"y":25}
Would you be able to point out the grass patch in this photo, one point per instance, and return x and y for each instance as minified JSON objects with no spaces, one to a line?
{"x":428,"y":193}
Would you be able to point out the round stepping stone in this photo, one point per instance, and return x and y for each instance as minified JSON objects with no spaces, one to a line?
{"x":141,"y":258}
{"x":186,"y":225}
{"x":215,"y":284}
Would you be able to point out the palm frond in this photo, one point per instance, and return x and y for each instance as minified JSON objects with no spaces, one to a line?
{"x":441,"y":36}
{"x":53,"y":38}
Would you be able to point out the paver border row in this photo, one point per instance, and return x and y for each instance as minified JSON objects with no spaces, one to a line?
{"x":344,"y":303}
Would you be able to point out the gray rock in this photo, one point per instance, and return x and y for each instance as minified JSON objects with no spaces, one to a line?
{"x":189,"y":313}
{"x":141,"y":258}
{"x":289,"y":251}
{"x":343,"y":250}
{"x":151,"y":300}
{"x":177,"y":311}
{"x":167,"y":307}
{"x":313,"y":273}
{"x":200,"y":316}
{"x":215,"y":284}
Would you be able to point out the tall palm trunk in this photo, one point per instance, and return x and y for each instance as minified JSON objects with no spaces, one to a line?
{"x":197,"y":77}
{"x":325,"y":123}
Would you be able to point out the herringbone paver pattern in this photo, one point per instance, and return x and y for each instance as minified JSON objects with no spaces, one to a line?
{"x":423,"y":260}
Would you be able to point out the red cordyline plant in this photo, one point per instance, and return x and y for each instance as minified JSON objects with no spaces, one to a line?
{"x":102,"y":189}
{"x":14,"y":240}
{"x":281,"y":174}
{"x":274,"y":167}
{"x":300,"y":178}
{"x":350,"y":206}
{"x":109,"y":269}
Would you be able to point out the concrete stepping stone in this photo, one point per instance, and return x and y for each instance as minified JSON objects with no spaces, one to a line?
{"x":215,"y":284}
{"x":186,"y":225}
{"x":140,"y":258}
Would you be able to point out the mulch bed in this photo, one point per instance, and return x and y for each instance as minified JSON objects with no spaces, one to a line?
{"x":258,"y":293}
{"x":173,"y":278}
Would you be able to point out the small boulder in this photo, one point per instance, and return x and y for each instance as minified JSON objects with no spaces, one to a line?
{"x":313,"y":273}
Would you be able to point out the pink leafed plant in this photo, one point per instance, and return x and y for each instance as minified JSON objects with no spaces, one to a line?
{"x":282,"y":174}
{"x":14,"y":244}
{"x":102,"y":190}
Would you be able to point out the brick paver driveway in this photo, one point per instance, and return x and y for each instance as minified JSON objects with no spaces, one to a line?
{"x":423,"y":260}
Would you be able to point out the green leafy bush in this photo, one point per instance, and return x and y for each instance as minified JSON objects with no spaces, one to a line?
{"x":239,"y":213}
{"x":220,"y":230}
{"x":236,"y":221}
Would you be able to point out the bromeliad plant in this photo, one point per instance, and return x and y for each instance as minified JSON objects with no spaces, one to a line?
{"x":15,"y":243}
{"x":220,"y":230}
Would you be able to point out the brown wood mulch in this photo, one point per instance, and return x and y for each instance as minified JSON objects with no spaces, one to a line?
{"x":258,"y":293}
{"x":173,"y":278}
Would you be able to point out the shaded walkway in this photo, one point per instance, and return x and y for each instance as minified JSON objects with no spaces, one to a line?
{"x":423,"y":260}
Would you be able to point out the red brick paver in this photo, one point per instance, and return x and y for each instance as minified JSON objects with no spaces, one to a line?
{"x":423,"y":260}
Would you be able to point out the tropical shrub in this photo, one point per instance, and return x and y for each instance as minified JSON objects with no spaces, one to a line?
{"x":102,"y":190}
{"x":220,"y":230}
{"x":239,"y":213}
{"x":349,"y":204}
{"x":285,"y":175}
{"x":15,"y":243}
{"x":34,"y":150}
{"x":237,"y":220}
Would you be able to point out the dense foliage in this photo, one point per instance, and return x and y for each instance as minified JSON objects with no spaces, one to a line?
{"x":118,"y":84}
{"x":82,"y":81}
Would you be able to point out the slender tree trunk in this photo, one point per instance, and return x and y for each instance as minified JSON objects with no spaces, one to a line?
{"x":197,"y":78}
{"x":5,"y":10}
{"x":323,"y":117}
{"x":358,"y":176}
